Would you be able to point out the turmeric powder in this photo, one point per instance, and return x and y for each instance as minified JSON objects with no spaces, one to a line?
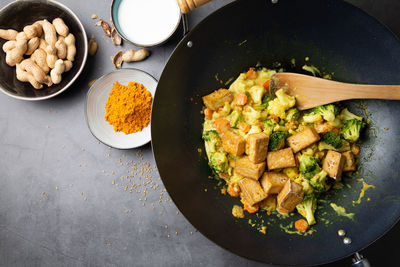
{"x":128,"y":108}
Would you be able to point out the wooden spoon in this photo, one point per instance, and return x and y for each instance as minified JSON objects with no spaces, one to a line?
{"x":311,"y":91}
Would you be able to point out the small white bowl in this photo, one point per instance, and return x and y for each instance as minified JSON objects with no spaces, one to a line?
{"x":95,"y":108}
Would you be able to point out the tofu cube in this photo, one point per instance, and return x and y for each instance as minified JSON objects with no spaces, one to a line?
{"x":269,"y":203}
{"x":258,"y":147}
{"x":249,"y":169}
{"x":233,"y":143}
{"x":303,"y":139}
{"x":290,"y":195}
{"x":217,"y":99}
{"x":252,"y":191}
{"x":333,"y":164}
{"x":349,"y":163}
{"x":283,"y":158}
{"x":273,"y":182}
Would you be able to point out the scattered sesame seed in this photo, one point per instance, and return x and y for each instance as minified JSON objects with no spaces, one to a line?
{"x":176,"y":233}
{"x":85,"y":198}
{"x":169,"y":236}
{"x":191,"y":233}
{"x":62,"y":147}
{"x":56,"y":187}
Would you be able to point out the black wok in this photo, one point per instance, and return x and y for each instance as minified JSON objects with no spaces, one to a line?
{"x":336,"y":37}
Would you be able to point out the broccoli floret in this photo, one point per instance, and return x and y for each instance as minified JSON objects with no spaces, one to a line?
{"x":343,"y":148}
{"x":266,"y":99}
{"x":332,"y":139}
{"x":210,"y":135}
{"x":212,"y":140}
{"x":264,"y":103}
{"x":312,"y":116}
{"x":328,"y":112}
{"x":308,"y":166}
{"x":351,"y":130}
{"x":346,"y":115}
{"x":277,"y":141}
{"x":306,"y":186}
{"x":233,"y":118}
{"x":219,"y":162}
{"x":257,"y":92}
{"x":319,"y":182}
{"x":268,"y":126}
{"x":293,"y":114}
{"x":307,"y":208}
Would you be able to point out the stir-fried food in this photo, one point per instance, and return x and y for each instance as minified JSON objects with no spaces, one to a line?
{"x":271,"y":155}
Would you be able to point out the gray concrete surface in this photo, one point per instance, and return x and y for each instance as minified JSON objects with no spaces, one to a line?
{"x":62,"y":199}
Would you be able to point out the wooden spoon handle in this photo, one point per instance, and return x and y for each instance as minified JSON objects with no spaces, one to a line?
{"x":360,"y":91}
{"x":189,"y":5}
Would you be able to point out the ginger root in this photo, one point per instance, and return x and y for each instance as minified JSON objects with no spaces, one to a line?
{"x":9,"y":35}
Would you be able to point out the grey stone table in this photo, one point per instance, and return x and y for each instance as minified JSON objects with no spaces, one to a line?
{"x":67,"y":200}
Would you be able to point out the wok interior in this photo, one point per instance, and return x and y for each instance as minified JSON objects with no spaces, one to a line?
{"x":355,"y":48}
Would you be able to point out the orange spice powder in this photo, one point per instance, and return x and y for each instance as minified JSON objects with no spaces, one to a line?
{"x":128,"y":108}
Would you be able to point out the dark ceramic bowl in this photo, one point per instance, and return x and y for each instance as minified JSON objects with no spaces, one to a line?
{"x":18,"y":14}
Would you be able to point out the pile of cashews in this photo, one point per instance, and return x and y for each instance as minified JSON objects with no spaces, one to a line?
{"x":40,"y":49}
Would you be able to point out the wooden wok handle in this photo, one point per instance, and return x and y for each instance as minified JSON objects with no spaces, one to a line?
{"x":189,"y":5}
